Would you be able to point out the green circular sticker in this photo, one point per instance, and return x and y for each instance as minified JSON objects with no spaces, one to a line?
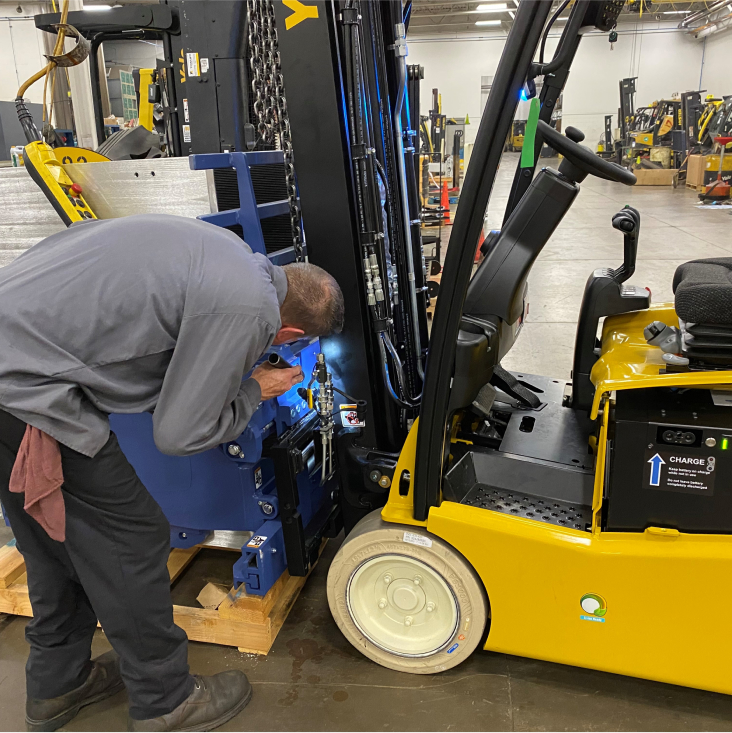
{"x":593,"y":604}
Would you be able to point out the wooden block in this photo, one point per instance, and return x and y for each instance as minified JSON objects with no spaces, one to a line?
{"x":208,"y":626}
{"x":179,"y":560}
{"x":255,"y":609}
{"x":212,"y":595}
{"x":11,"y":564}
{"x":14,"y":600}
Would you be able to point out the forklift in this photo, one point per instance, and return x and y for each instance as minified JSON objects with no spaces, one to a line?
{"x":584,"y":523}
{"x":580,"y":523}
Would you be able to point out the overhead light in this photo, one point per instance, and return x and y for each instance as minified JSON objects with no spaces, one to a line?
{"x":98,"y":7}
{"x":492,"y":8}
{"x":488,"y":22}
{"x":675,"y":12}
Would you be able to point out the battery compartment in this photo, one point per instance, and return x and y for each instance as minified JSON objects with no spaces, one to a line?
{"x":668,"y":462}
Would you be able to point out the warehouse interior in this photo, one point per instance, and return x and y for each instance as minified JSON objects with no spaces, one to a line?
{"x":500,"y":498}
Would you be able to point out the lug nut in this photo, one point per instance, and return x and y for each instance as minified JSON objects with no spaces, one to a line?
{"x":385,"y":482}
{"x":387,"y":579}
{"x":408,"y":621}
{"x":267,"y":508}
{"x":418,"y":580}
{"x":430,"y":607}
{"x":382,"y":603}
{"x":234,"y":450}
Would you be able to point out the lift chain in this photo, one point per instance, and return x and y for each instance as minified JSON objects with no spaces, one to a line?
{"x":270,"y":105}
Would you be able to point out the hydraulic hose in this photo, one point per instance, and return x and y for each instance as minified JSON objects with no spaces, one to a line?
{"x":399,"y":367}
{"x":401,"y":167}
{"x":387,"y":378}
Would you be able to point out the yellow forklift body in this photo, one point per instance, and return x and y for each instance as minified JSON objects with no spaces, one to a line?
{"x":658,"y":601}
{"x":146,"y":107}
{"x":662,"y":593}
{"x":628,"y":362}
{"x":643,"y":138}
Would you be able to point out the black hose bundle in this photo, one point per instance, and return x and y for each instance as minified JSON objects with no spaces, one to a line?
{"x":26,"y":121}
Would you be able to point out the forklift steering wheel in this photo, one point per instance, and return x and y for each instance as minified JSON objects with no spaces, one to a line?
{"x":582,"y":160}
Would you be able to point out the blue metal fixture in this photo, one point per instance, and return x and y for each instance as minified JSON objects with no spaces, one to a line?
{"x":249,"y":213}
{"x":233,"y":487}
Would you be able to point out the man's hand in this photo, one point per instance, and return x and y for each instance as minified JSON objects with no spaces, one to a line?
{"x":275,"y":382}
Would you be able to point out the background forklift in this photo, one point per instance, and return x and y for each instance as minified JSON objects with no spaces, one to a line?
{"x":584,"y":523}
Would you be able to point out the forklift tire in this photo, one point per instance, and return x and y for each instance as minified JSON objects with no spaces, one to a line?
{"x":405,"y":598}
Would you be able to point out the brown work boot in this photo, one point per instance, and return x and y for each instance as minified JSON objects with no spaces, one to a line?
{"x":103,"y":681}
{"x":214,"y":701}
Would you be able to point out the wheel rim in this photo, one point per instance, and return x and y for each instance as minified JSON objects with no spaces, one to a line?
{"x":402,"y":605}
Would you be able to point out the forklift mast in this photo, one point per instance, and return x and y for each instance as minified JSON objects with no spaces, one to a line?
{"x":325,"y":86}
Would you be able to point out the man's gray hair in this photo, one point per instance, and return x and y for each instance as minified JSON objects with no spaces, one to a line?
{"x":314,"y":301}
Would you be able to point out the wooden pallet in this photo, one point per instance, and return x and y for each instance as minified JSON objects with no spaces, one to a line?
{"x":250,"y":623}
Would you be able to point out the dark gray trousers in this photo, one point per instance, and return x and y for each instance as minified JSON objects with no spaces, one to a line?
{"x":112,"y":567}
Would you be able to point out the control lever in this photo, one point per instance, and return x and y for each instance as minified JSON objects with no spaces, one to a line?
{"x":605,"y":295}
{"x":627,"y":221}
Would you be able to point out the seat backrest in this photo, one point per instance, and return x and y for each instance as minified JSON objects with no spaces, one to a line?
{"x":703,"y":291}
{"x":497,"y":288}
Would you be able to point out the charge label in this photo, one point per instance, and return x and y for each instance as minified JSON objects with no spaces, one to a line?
{"x":685,"y":473}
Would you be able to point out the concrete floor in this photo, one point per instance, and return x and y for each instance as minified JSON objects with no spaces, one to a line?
{"x":314,"y":680}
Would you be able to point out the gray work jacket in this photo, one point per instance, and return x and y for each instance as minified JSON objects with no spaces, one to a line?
{"x":144,"y":313}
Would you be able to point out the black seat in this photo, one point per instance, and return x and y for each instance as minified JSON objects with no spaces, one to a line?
{"x":703,"y":291}
{"x":703,"y":300}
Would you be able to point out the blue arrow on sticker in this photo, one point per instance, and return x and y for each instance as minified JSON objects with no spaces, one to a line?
{"x":656,"y":463}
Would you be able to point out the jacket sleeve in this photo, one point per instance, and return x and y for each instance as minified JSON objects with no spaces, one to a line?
{"x":203,"y":400}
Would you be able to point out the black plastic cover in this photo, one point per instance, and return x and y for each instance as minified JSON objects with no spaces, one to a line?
{"x":658,"y":480}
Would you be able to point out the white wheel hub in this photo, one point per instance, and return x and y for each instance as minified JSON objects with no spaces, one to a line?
{"x":402,"y":605}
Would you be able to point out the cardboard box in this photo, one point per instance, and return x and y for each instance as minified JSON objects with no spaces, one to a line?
{"x":655,"y":176}
{"x":695,"y":170}
{"x":702,"y":169}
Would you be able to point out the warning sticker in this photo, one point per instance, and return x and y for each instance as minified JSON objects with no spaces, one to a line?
{"x":186,"y":117}
{"x":257,"y":541}
{"x":350,"y":418}
{"x":685,"y":473}
{"x":194,"y":68}
{"x":186,"y":133}
{"x":204,"y":66}
{"x":258,"y":478}
{"x":417,"y":539}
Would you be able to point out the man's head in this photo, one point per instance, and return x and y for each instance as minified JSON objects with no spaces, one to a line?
{"x":313,"y":306}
